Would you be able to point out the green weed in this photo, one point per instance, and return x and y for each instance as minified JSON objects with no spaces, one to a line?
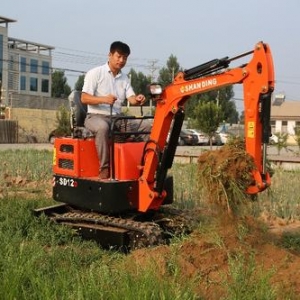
{"x":247,"y":281}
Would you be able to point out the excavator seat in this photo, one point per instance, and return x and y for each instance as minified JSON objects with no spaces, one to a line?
{"x":78,"y":114}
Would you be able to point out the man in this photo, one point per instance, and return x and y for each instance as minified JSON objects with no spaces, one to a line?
{"x":105,"y":89}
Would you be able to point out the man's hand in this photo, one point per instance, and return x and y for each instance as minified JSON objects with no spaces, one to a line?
{"x":110,"y":99}
{"x":140,"y":99}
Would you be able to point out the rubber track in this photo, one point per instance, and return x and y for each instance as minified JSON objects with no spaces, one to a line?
{"x":144,"y":234}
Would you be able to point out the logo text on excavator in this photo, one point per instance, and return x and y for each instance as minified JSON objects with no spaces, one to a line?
{"x":198,"y":85}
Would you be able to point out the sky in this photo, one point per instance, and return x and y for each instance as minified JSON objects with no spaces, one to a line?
{"x":195,"y":31}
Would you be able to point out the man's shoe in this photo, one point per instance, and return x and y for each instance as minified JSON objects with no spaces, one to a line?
{"x":104,"y":173}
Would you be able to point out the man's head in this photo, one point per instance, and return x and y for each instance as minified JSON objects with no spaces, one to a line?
{"x":118,"y":54}
{"x":120,"y":47}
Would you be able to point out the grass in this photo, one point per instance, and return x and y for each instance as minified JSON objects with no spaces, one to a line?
{"x":282,"y":198}
{"x":39,"y":260}
{"x":247,"y":281}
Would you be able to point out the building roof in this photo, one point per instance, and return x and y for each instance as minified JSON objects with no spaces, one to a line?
{"x":6,"y":20}
{"x":19,"y":44}
{"x":286,"y":110}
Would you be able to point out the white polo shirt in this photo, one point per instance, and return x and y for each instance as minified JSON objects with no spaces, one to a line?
{"x":100,"y":81}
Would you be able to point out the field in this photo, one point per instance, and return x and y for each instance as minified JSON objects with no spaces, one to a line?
{"x":253,"y":255}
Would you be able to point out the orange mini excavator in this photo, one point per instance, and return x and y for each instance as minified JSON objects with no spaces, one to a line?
{"x":123,"y":210}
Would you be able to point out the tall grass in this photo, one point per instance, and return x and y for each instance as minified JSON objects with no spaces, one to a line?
{"x":39,"y":260}
{"x":31,"y":164}
{"x":248,"y":282}
{"x":281,"y":199}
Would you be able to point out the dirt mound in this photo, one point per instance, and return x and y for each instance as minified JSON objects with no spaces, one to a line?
{"x":212,"y":258}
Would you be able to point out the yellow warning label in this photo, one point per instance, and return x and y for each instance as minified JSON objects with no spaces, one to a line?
{"x":251,"y":129}
{"x":54,"y":157}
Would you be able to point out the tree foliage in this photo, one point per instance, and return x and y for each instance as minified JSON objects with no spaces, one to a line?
{"x":282,"y":141}
{"x":63,"y":121}
{"x":209,"y":117}
{"x":167,"y":74}
{"x":139,"y":82}
{"x":79,"y":83}
{"x":221,"y":99}
{"x":297,"y":136}
{"x":60,"y":88}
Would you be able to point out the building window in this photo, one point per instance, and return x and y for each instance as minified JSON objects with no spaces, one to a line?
{"x":45,"y":68}
{"x":10,"y":81}
{"x":33,"y":84}
{"x":23,"y":83}
{"x":284,"y":127}
{"x":23,"y":64}
{"x":272,"y":124}
{"x":33,"y":66}
{"x":11,"y":63}
{"x":45,"y":85}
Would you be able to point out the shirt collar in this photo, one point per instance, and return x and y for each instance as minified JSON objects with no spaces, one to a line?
{"x":109,"y":71}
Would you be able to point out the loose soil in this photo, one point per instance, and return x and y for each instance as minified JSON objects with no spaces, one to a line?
{"x":230,"y":235}
{"x":204,"y":258}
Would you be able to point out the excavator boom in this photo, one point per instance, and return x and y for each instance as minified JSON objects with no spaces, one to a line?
{"x":257,"y":78}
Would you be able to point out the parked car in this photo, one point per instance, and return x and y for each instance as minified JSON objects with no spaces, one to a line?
{"x":202,"y":138}
{"x":216,"y":139}
{"x":187,"y":137}
{"x":273,"y":139}
{"x":223,"y":136}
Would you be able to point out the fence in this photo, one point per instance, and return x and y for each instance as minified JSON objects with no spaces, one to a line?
{"x":8,"y":131}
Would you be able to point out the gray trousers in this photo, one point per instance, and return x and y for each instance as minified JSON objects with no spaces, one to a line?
{"x":99,"y":125}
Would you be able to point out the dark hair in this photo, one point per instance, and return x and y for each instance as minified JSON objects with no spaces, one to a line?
{"x":120,"y":47}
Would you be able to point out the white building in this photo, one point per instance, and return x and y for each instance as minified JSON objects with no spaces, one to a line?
{"x":285,"y":115}
{"x":25,"y":67}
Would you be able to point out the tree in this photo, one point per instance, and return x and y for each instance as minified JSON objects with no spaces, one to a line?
{"x":79,"y":83}
{"x":297,"y":136}
{"x":242,"y":117}
{"x":139,"y":82}
{"x":220,"y":98}
{"x":60,"y":88}
{"x":223,"y":98}
{"x":282,"y":141}
{"x":209,"y":115}
{"x":63,"y":121}
{"x":167,"y":74}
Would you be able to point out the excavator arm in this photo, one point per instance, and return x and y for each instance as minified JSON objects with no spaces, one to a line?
{"x":257,"y":78}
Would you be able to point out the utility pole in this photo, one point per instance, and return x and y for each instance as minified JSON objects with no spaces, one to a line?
{"x":152,"y":69}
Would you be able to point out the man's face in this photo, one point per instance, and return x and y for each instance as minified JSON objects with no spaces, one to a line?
{"x":117,"y":61}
